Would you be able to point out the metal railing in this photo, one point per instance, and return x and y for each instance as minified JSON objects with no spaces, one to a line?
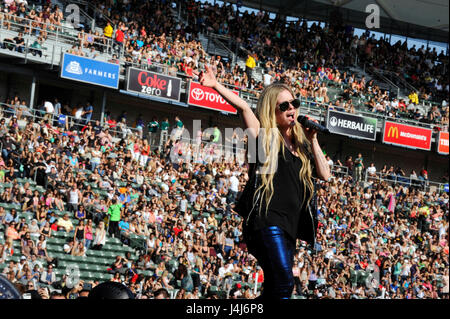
{"x":426,"y":185}
{"x":52,"y":53}
{"x":339,"y":170}
{"x":378,"y":73}
{"x":62,"y":35}
{"x":217,"y":41}
{"x":398,"y":80}
{"x":38,"y":115}
{"x":320,"y":109}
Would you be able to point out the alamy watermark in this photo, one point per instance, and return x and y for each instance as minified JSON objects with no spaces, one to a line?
{"x":373,"y":19}
{"x":234,"y":145}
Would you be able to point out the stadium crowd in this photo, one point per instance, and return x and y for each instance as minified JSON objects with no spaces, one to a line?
{"x":311,"y":60}
{"x":374,"y":240}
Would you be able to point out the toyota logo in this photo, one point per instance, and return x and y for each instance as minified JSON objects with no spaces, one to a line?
{"x":197,"y":94}
{"x":333,"y":121}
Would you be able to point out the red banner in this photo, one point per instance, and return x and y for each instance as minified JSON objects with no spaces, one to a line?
{"x":407,"y":135}
{"x":443,"y":143}
{"x":206,"y":97}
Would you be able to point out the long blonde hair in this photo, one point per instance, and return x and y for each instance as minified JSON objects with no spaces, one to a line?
{"x":272,"y":142}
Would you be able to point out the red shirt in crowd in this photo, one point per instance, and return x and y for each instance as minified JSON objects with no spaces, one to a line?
{"x":120,"y":36}
{"x":177,"y":230}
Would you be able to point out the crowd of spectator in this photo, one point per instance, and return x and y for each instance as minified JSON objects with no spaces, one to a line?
{"x":335,"y":45}
{"x":375,"y":240}
{"x":311,"y":60}
{"x":290,"y":51}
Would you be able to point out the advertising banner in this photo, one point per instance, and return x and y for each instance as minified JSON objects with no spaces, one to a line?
{"x":352,"y":125}
{"x":91,"y":71}
{"x":443,"y":143}
{"x":206,"y":97}
{"x":407,"y":135}
{"x":153,"y":84}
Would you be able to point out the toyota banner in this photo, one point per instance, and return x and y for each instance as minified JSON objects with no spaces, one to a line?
{"x":443,"y":143}
{"x":153,"y":84}
{"x":407,"y":135}
{"x":91,"y":71}
{"x":206,"y":97}
{"x":352,"y":125}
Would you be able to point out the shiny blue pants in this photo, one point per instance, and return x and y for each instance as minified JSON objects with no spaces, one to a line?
{"x":275,"y":254}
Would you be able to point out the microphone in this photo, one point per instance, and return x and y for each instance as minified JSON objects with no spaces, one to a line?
{"x":311,"y":124}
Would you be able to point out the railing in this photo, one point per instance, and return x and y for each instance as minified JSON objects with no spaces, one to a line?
{"x":52,"y":57}
{"x":426,"y":185}
{"x":311,"y":108}
{"x":37,"y":115}
{"x":62,"y":35}
{"x":380,"y":75}
{"x":399,"y":80}
{"x":339,"y":170}
{"x":218,"y":41}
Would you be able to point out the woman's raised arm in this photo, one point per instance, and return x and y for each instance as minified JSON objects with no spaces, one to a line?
{"x":209,"y":80}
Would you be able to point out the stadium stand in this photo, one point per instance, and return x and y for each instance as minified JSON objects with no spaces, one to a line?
{"x":382,"y":236}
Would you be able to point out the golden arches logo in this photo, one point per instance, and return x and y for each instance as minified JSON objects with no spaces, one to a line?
{"x":393,"y":132}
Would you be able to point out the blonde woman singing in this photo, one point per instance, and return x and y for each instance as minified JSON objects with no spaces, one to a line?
{"x":276,"y":198}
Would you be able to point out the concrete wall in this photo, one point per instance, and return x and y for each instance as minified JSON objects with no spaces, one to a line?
{"x":12,"y":84}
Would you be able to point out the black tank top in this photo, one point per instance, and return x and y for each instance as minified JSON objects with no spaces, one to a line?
{"x":80,"y":234}
{"x":286,"y":205}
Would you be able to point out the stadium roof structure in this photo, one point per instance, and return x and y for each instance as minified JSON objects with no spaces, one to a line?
{"x":422,"y":19}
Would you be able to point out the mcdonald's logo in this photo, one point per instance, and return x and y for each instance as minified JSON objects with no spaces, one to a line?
{"x":393,"y":131}
{"x":407,"y":135}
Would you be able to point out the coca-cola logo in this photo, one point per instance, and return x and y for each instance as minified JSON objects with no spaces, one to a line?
{"x":152,"y":81}
{"x":153,"y":84}
{"x":197,"y":94}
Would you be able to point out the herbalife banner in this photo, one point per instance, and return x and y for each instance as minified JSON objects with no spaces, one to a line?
{"x":352,"y":125}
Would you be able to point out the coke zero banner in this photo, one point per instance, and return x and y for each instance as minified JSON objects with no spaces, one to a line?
{"x":153,"y":84}
{"x":352,"y":125}
{"x":407,"y":135}
{"x":206,"y":97}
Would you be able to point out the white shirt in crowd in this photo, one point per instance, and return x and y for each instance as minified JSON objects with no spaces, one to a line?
{"x":234,"y":183}
{"x":371,"y":169}
{"x":267,"y":79}
{"x":49,"y":108}
{"x":79,"y":113}
{"x":330,"y":163}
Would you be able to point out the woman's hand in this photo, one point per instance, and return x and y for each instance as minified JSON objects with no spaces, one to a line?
{"x":207,"y":78}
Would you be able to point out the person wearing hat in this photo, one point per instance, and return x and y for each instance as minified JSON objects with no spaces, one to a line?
{"x":236,"y":291}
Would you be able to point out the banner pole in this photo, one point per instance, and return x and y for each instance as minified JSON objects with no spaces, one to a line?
{"x":102,"y":117}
